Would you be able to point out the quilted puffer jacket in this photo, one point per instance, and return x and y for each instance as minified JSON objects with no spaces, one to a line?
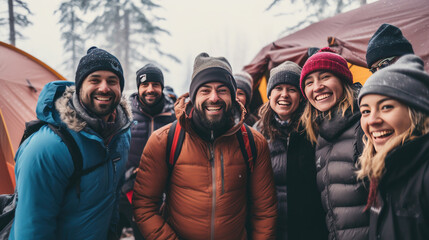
{"x":343,"y":196}
{"x":208,"y":188}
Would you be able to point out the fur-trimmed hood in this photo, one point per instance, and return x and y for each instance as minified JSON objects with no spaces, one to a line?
{"x":53,"y":106}
{"x":70,"y":117}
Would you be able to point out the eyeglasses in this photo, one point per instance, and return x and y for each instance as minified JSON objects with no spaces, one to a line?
{"x":382,"y":64}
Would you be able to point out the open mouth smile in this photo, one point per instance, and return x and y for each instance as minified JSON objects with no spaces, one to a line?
{"x":381,"y":134}
{"x":213,"y":108}
{"x":322,"y":97}
{"x":284,"y":103}
{"x":103,"y":98}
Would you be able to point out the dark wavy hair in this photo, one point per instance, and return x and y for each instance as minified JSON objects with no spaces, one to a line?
{"x":267,"y":123}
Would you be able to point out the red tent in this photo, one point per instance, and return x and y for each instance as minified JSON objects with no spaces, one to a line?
{"x":348,"y":33}
{"x":22,"y":77}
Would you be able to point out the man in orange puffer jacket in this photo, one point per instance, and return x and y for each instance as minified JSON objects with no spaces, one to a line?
{"x":211,"y":192}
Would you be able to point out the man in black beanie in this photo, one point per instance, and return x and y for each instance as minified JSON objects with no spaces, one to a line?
{"x":386,"y":46}
{"x":56,"y":199}
{"x":151,"y":110}
{"x":208,"y":186}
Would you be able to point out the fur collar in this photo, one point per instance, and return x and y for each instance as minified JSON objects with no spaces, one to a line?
{"x":71,"y":119}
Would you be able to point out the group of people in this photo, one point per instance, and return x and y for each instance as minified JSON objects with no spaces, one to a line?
{"x":328,"y":158}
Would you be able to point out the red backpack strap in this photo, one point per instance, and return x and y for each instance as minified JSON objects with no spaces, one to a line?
{"x":176,"y":136}
{"x":247,"y":145}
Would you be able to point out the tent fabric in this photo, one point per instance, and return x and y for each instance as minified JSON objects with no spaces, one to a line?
{"x":22,"y":77}
{"x":7,"y":176}
{"x":348,"y":33}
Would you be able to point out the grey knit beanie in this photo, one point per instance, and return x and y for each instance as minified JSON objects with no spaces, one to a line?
{"x":97,"y":59}
{"x":405,"y":81}
{"x":244,"y":82}
{"x":211,"y":69}
{"x":387,"y":41}
{"x":149,"y":73}
{"x":285,"y":73}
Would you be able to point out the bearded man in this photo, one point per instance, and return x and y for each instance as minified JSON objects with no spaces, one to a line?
{"x":151,"y":109}
{"x":96,"y":115}
{"x":210,"y":194}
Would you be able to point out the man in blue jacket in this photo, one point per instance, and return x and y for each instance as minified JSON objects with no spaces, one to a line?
{"x":151,"y":110}
{"x":98,"y":118}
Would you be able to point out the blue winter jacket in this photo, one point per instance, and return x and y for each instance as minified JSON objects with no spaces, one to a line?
{"x":47,"y":208}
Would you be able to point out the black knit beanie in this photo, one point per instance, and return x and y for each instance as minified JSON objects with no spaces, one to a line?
{"x":211,"y":69}
{"x":387,"y":41}
{"x":244,"y":82}
{"x":405,"y":81}
{"x":149,"y":73}
{"x":97,"y":59}
{"x":285,"y":73}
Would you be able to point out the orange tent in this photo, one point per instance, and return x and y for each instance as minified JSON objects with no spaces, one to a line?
{"x":22,"y":77}
{"x":348,"y":33}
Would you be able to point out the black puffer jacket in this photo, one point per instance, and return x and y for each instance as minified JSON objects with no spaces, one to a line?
{"x":404,"y":194}
{"x":300,"y":212}
{"x":343,"y":196}
{"x":143,"y":126}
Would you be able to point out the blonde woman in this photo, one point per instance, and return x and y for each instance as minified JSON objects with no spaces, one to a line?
{"x":331,"y":119}
{"x":395,"y":118}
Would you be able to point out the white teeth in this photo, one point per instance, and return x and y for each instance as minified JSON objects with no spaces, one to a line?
{"x":103,"y":98}
{"x":323,"y":96}
{"x":283,"y":103}
{"x":213,"y":108}
{"x":381,"y":133}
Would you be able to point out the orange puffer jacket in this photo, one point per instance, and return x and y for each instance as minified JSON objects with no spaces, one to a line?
{"x":206,"y":199}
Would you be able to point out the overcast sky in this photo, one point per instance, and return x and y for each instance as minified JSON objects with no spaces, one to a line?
{"x":235,"y":29}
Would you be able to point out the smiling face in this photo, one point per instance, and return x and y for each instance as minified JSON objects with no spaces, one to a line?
{"x":213,"y":103}
{"x":100,"y":93}
{"x":383,"y":118}
{"x":323,"y":90}
{"x":241,"y":95}
{"x":284,"y":100}
{"x":150,"y":92}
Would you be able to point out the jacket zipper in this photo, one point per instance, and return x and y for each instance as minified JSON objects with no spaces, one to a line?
{"x":212,"y":163}
{"x":222,"y":173}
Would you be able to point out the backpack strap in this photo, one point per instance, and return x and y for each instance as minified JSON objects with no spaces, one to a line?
{"x":248,"y":149}
{"x":30,"y":128}
{"x":35,"y":125}
{"x":176,"y":136}
{"x":75,"y":154}
{"x":247,"y":145}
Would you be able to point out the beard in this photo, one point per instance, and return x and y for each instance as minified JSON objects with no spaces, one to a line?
{"x":214,"y":123}
{"x":101,"y":110}
{"x":143,"y":98}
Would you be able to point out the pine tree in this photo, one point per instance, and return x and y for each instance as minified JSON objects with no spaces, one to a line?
{"x":72,"y":28}
{"x":129,"y":30}
{"x":18,"y":16}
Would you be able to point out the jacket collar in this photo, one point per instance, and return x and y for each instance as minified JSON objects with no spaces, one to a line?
{"x":332,"y":128}
{"x":405,"y":160}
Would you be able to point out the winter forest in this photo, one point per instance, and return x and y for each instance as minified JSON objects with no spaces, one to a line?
{"x":133,"y":30}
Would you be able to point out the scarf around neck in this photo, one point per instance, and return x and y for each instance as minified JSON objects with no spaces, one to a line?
{"x":105,"y":129}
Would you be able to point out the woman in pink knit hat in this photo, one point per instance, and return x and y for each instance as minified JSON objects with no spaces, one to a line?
{"x":331,"y":119}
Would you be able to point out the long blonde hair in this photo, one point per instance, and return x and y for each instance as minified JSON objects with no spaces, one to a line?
{"x":310,"y":114}
{"x":372,"y":163}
